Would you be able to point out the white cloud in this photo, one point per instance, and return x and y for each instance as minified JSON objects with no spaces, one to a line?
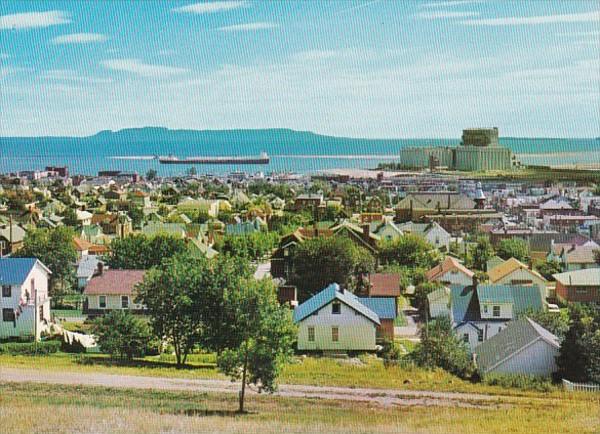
{"x":71,"y":76}
{"x":592,"y":33}
{"x":31,"y":20}
{"x":210,"y":7}
{"x":79,"y":38}
{"x":249,"y":27}
{"x":4,"y":56}
{"x":586,"y":17}
{"x":449,"y":3}
{"x":446,"y":14}
{"x":136,"y":66}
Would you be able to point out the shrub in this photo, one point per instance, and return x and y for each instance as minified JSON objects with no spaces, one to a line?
{"x":122,"y":335}
{"x":391,"y":351}
{"x":30,"y":348}
{"x":519,"y":381}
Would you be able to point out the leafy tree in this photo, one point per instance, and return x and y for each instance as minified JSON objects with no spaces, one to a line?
{"x":556,"y":323}
{"x":151,"y":175}
{"x":548,"y":268}
{"x":137,"y":216}
{"x":139,"y":252}
{"x":122,"y":335}
{"x":251,"y":246}
{"x":185,"y":301}
{"x":408,"y":250}
{"x":264,"y":332}
{"x":579,"y":358}
{"x":441,"y":348}
{"x":321,"y":261}
{"x":55,"y":249}
{"x":70,"y":217}
{"x":513,"y":248}
{"x":481,"y":253}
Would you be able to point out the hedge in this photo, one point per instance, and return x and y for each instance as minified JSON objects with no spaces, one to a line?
{"x":30,"y":348}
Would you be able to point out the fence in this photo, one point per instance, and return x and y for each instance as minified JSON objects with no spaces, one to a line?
{"x":569,"y":386}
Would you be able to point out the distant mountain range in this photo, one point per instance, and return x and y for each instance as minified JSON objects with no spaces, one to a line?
{"x":213,"y":137}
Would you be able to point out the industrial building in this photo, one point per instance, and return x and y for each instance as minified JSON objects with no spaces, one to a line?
{"x":478,"y":150}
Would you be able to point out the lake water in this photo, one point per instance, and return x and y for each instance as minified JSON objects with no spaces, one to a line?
{"x":82,"y":157}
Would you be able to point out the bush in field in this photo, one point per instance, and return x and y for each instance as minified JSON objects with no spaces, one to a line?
{"x":519,"y":381}
{"x":122,"y":335}
{"x":441,"y":348}
{"x":30,"y":348}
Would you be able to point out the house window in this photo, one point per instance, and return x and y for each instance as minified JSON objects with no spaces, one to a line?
{"x":6,"y":291}
{"x":480,"y":336}
{"x":466,"y":338}
{"x":336,"y":308}
{"x":496,"y":311}
{"x":485,"y":308}
{"x":124,"y":302}
{"x":335,"y":334}
{"x":8,"y":315}
{"x":311,"y":334}
{"x":521,"y":282}
{"x":102,"y":301}
{"x":581,"y":290}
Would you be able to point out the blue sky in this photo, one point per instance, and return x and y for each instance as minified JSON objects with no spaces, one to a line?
{"x":363,"y":68}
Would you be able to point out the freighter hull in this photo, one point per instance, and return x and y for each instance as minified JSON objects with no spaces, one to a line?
{"x":215,"y":160}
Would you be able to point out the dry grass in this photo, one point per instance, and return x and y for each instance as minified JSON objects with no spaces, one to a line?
{"x":27,"y":408}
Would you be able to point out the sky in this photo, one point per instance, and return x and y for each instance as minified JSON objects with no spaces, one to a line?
{"x":353,"y":68}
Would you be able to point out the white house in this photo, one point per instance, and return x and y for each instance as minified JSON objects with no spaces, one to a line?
{"x":450,"y":272}
{"x":439,"y":302}
{"x":111,"y":290}
{"x":24,"y":300}
{"x":514,"y":272}
{"x":436,"y":235}
{"x":335,"y":320}
{"x":523,"y":347}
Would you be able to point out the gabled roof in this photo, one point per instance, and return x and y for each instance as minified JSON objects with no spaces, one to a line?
{"x":18,"y":233}
{"x":14,"y":271}
{"x":384,"y":307}
{"x":323,"y":298}
{"x":511,"y":340}
{"x":586,"y":277}
{"x":466,"y":300}
{"x":384,"y":285}
{"x":507,"y":267}
{"x":87,"y":266}
{"x":114,"y":282}
{"x":448,"y":264}
{"x":576,"y":254}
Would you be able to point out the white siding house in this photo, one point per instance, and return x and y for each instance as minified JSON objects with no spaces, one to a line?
{"x":24,"y":299}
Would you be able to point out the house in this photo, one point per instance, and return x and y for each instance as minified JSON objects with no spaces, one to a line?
{"x":336,"y":320}
{"x":84,"y":218}
{"x":479,"y":312}
{"x":433,"y":233}
{"x":581,"y":286}
{"x":573,"y":257}
{"x":386,"y":230}
{"x":24,"y":300}
{"x":112,"y":289}
{"x":386,"y":310}
{"x":439,"y":302}
{"x":514,"y":272}
{"x":384,"y":285}
{"x":494,"y":261}
{"x":308,"y":201}
{"x":11,"y":238}
{"x":450,"y":272}
{"x":86,"y":269}
{"x":523,"y":347}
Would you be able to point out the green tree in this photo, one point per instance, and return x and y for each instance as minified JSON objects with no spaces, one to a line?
{"x":441,"y":348}
{"x":556,"y":323}
{"x":548,"y":268}
{"x":513,"y":248}
{"x":151,"y":175}
{"x":320,"y":261}
{"x":55,"y":249}
{"x":185,"y":301}
{"x":264,"y":333}
{"x":408,"y":250}
{"x":70,"y":217}
{"x":122,"y":335}
{"x":579,"y":358}
{"x":140,"y":252}
{"x":480,"y":253}
{"x":251,"y":246}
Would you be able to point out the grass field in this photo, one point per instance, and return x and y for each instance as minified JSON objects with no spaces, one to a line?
{"x":368,"y":372}
{"x":101,"y":410}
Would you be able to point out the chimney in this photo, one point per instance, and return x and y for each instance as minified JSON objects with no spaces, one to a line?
{"x":475,"y":282}
{"x":100,"y":268}
{"x":366,"y":231}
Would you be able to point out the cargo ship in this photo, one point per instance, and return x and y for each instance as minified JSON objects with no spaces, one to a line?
{"x":263,"y":158}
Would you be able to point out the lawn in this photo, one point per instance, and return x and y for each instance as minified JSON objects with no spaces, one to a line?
{"x":366,"y":372}
{"x":99,"y":409}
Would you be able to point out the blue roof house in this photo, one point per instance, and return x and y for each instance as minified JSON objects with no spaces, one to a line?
{"x":337,"y":320}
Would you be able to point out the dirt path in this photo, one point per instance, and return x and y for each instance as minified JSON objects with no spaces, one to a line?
{"x":386,"y":397}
